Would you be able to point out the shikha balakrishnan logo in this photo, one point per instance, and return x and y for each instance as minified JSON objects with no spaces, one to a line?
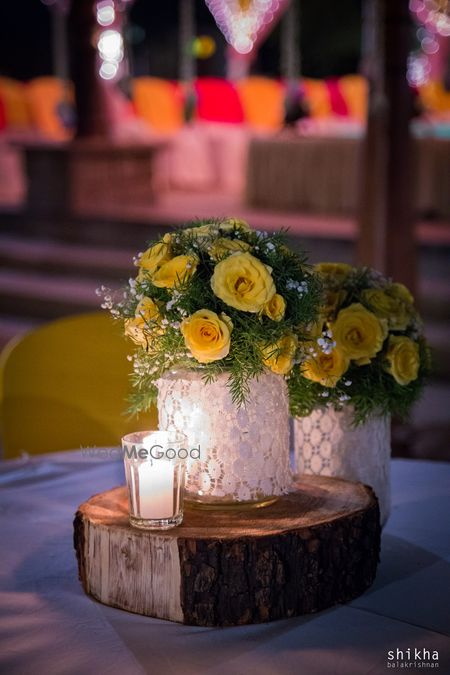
{"x":412,"y":658}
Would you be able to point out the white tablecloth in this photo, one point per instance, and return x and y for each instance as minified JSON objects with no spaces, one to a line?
{"x":48,"y":626}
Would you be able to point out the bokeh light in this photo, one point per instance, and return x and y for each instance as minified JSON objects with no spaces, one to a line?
{"x":106,"y":13}
{"x":110,"y":45}
{"x":203,"y":47}
{"x":108,"y":70}
{"x":240,"y":22}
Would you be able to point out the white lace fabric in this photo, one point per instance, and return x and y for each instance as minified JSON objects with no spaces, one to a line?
{"x":327,"y":444}
{"x":245,"y":450}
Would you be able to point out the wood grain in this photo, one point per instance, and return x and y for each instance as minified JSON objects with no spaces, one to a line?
{"x":313,"y":548}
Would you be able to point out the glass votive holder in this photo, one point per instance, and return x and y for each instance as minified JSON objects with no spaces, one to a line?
{"x":155,"y":463}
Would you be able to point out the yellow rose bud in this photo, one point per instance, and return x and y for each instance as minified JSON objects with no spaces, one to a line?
{"x":338,"y":271}
{"x":144,"y":325}
{"x":326,"y":369}
{"x":175,"y":272}
{"x":155,"y":256}
{"x":332,"y":301}
{"x":275,"y":308}
{"x":279,"y":357}
{"x":203,"y":231}
{"x":388,"y":307}
{"x":222,"y":246}
{"x":359,"y":333}
{"x":207,"y":335}
{"x":402,"y":359}
{"x":243,"y":282}
{"x":234,"y":223}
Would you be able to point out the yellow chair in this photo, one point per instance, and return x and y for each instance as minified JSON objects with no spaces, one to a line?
{"x":159,"y":103}
{"x":318,"y":97}
{"x":44,"y":95}
{"x":13,"y":95}
{"x":64,"y":386}
{"x":354,"y":90}
{"x":263,"y":102}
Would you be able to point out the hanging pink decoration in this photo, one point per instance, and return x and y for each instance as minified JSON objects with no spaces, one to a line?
{"x":242,"y":20}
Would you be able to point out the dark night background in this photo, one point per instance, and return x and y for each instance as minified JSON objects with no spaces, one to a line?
{"x":329,"y":32}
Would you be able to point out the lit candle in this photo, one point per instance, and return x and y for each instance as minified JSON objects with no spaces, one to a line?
{"x":156,"y":489}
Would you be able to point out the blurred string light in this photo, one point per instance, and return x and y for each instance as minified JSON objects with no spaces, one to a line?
{"x":106,"y":13}
{"x":241,"y":20}
{"x":433,"y":14}
{"x":110,"y":49}
{"x":434,"y":19}
{"x":110,"y":44}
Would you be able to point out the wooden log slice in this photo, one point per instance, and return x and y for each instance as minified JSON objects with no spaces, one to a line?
{"x":313,"y":548}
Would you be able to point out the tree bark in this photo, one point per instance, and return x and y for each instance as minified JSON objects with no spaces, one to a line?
{"x":90,"y":96}
{"x":313,"y":548}
{"x":386,"y":228}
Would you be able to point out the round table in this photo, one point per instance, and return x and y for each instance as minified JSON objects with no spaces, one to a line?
{"x":48,"y":625}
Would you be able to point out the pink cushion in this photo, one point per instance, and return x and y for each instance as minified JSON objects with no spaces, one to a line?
{"x":218,"y":101}
{"x":2,"y":115}
{"x":337,"y":100}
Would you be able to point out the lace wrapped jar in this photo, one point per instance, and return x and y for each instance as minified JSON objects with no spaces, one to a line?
{"x":326,"y":443}
{"x":244,"y":450}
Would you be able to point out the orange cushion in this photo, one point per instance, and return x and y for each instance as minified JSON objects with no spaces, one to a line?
{"x":434,"y":97}
{"x":13,"y":94}
{"x":44,"y":95}
{"x":317,"y":97}
{"x":158,"y":102}
{"x":262,"y":101}
{"x":354,"y":89}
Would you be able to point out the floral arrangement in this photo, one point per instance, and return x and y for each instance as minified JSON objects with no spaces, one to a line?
{"x":220,"y":297}
{"x":367,"y":349}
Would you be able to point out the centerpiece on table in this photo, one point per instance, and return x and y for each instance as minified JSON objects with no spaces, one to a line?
{"x":367,"y":361}
{"x":214,"y":313}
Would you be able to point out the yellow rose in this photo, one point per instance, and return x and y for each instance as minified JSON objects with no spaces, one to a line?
{"x":279,"y":357}
{"x":243,"y":282}
{"x":275,"y":308}
{"x":359,"y":333}
{"x":403,"y":359}
{"x":338,"y":271}
{"x":401,"y":292}
{"x":234,"y":223}
{"x":388,"y":307}
{"x":222,"y":246}
{"x":145,"y":322}
{"x":155,"y":256}
{"x":175,"y":272}
{"x":326,"y":368}
{"x":207,"y":335}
